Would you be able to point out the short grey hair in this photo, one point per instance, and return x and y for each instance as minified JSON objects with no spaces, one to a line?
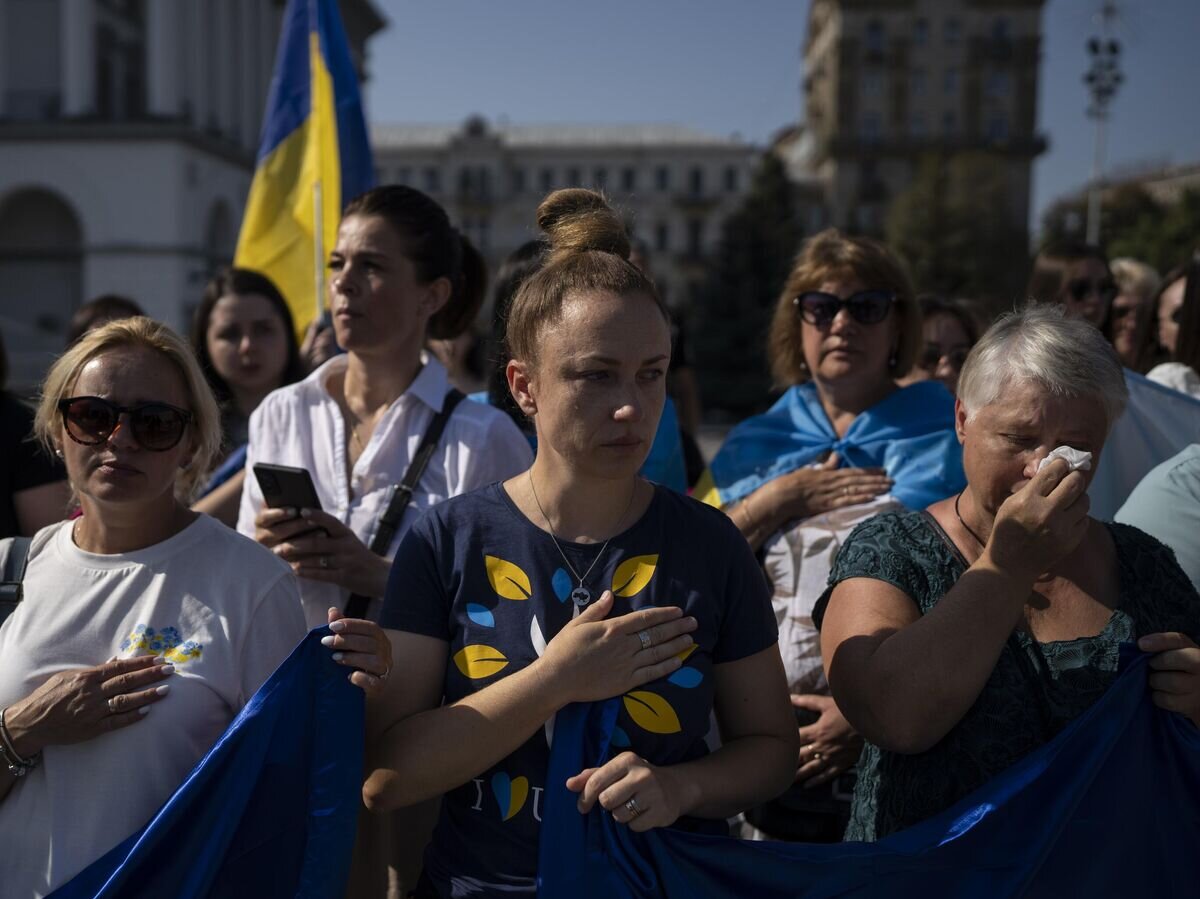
{"x":1039,"y":344}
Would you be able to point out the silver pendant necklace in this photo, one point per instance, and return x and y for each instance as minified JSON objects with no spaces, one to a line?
{"x":581,"y":595}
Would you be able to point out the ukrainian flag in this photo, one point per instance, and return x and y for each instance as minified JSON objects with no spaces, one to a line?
{"x":313,"y":157}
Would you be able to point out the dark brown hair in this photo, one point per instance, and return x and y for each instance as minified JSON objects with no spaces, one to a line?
{"x":242,"y":281}
{"x":1052,"y":268}
{"x":1187,"y":344}
{"x":588,"y":251}
{"x":105,"y":308}
{"x":933,"y":305}
{"x":833,"y":256}
{"x":435,"y":247}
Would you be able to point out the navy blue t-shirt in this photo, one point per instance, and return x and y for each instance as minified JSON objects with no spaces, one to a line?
{"x":475,"y":572}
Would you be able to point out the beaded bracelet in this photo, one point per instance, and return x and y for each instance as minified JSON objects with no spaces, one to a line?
{"x":17,"y":766}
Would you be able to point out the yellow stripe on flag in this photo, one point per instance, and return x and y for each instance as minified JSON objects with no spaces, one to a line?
{"x":277,"y":231}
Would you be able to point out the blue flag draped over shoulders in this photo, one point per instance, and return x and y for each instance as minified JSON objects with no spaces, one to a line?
{"x":1107,"y":808}
{"x":269,"y":812}
{"x":910,"y":434}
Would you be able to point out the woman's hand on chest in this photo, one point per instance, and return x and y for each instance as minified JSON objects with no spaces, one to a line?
{"x":594,"y":657}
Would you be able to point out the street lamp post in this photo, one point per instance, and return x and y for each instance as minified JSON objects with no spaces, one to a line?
{"x":1103,"y":77}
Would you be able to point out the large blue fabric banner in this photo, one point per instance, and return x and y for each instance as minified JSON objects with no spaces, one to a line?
{"x":269,"y":812}
{"x":1110,"y":807}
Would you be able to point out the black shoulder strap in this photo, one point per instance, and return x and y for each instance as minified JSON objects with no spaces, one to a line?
{"x":402,"y":493}
{"x":14,"y":556}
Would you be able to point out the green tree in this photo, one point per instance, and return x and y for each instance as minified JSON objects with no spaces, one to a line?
{"x":953,"y":226}
{"x":733,"y":308}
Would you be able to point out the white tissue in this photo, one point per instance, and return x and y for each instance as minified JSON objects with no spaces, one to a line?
{"x":1076,"y":459}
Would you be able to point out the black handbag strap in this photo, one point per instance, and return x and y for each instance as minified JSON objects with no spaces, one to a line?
{"x":402,"y":493}
{"x":14,"y":556}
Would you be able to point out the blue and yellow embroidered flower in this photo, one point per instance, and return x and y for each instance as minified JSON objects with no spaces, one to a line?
{"x":166,"y":642}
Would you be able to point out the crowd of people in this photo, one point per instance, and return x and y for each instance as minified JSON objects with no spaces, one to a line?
{"x":881,"y":592}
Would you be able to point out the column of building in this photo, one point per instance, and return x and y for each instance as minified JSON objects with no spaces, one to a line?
{"x":164,"y":71}
{"x":78,"y":30}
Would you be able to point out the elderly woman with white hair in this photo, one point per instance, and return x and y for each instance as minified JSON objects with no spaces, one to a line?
{"x":959,"y":638}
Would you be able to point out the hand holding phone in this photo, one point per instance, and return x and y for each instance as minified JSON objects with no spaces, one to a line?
{"x":286,"y":487}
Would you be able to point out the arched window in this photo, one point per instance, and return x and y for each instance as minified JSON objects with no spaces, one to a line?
{"x":41,"y":279}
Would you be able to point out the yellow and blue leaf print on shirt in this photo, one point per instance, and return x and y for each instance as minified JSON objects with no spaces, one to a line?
{"x":510,"y":794}
{"x":481,"y":615}
{"x":561,"y":582}
{"x":686,"y":678}
{"x":632,"y":575}
{"x":165,"y":641}
{"x":507,"y":579}
{"x":478,"y":661}
{"x":683,"y":654}
{"x":651,"y":712}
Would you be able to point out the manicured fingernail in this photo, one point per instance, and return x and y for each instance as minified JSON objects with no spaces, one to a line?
{"x":144,"y":710}
{"x":337,"y":656}
{"x":338,"y":626}
{"x":163,"y":690}
{"x":167,"y":669}
{"x":327,"y":641}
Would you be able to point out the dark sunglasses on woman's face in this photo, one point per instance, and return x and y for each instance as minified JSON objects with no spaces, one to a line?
{"x":867,"y":307}
{"x":1081,"y":288}
{"x":931,"y":356}
{"x":91,"y":420}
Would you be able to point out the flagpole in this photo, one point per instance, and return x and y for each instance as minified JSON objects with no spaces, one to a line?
{"x":314,"y":25}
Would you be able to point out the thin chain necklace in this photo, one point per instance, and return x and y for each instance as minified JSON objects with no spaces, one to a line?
{"x":966,"y":526}
{"x":581,"y":595}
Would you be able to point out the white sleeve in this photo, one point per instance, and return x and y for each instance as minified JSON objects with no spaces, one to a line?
{"x":503,"y":453}
{"x":275,"y":629}
{"x":252,"y":498}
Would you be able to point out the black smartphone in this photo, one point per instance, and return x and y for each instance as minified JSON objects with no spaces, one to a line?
{"x":286,"y":487}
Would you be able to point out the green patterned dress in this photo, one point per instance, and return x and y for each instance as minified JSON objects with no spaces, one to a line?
{"x":1034,"y":691}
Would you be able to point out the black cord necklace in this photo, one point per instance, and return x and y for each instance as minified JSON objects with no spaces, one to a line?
{"x":966,"y":526}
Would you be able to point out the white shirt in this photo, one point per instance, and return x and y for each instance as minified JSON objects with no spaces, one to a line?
{"x":220,"y":607}
{"x":302,"y":425}
{"x":798,"y":560}
{"x":1177,"y":376}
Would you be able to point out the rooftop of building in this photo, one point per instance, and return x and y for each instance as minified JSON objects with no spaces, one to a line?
{"x":414,"y":136}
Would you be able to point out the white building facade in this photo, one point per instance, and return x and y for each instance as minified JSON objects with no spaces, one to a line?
{"x":673,"y":185}
{"x":128,"y":131}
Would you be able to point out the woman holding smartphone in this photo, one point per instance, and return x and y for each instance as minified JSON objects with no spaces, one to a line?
{"x":576,"y":580}
{"x":399,"y":273}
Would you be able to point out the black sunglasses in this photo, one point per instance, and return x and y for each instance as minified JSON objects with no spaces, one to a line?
{"x":91,"y":420}
{"x":1080,"y":288}
{"x":867,"y":307}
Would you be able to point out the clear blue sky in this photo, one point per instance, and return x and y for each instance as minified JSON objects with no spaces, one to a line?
{"x":728,"y":66}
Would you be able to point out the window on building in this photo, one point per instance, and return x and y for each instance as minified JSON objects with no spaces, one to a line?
{"x":916,"y":125}
{"x":628,"y":178}
{"x":574,"y":178}
{"x":873,"y":40}
{"x":872,"y":83}
{"x":483,"y":182}
{"x":433,"y":180}
{"x":950,"y":81}
{"x":949,"y":123}
{"x":546,"y":180}
{"x":484,"y":234}
{"x":662,"y":178}
{"x":921,"y":32}
{"x":696,"y":181}
{"x":998,"y":85}
{"x":918,"y":83}
{"x":600,"y":178}
{"x":695,"y":236}
{"x":518,"y":180}
{"x":871,"y":130}
{"x":662,"y":237}
{"x":731,"y":179}
{"x":953,"y":30}
{"x":31,"y":48}
{"x":997,"y":128}
{"x":1000,"y":30}
{"x":466,"y":181}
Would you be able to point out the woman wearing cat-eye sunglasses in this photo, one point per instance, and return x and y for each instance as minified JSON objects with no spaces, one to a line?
{"x":798,"y":479}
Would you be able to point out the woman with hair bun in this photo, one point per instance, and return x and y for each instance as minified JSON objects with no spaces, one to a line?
{"x":576,"y":581}
{"x":399,"y":273}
